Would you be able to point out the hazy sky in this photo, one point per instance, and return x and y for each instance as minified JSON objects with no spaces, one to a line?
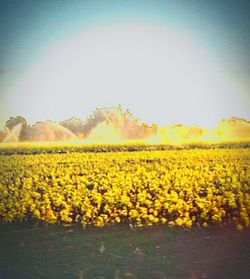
{"x":167,"y":61}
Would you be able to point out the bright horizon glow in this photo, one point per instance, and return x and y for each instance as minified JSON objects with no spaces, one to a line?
{"x":158,"y":72}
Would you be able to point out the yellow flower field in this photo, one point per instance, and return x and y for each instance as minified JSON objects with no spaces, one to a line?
{"x":142,"y":188}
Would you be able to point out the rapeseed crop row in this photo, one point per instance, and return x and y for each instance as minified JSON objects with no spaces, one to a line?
{"x":178,"y":188}
{"x":33,"y":148}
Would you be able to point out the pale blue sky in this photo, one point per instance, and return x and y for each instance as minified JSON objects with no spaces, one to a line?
{"x":31,"y":31}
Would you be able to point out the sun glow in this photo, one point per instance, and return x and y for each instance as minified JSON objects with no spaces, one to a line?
{"x":104,"y":133}
{"x":159,"y":72}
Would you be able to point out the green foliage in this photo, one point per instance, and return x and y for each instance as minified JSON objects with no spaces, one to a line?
{"x":65,"y":148}
{"x":13,"y":121}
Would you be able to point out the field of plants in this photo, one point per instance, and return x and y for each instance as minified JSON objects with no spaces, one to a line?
{"x":195,"y":187}
{"x":24,"y":148}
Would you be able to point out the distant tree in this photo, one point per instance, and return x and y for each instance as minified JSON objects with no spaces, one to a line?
{"x":74,"y":124}
{"x":13,"y":121}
